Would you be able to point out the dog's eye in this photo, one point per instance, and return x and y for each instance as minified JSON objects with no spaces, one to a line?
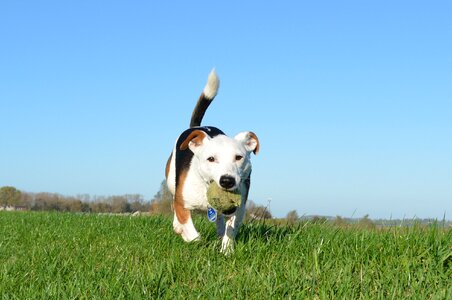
{"x":211,"y":159}
{"x":238,"y":157}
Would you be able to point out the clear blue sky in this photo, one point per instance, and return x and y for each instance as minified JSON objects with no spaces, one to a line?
{"x":351,"y":100}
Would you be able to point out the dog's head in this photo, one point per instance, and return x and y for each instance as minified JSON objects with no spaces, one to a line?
{"x":222,"y":159}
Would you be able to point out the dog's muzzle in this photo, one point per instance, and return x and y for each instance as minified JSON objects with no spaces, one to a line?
{"x":227,"y":182}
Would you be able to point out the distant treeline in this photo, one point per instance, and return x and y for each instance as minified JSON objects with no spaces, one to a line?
{"x":14,"y":199}
{"x":10,"y":197}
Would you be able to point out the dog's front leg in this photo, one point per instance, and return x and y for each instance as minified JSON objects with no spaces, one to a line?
{"x":233,"y":224}
{"x":231,"y":230}
{"x":221,"y":227}
{"x":183,"y":223}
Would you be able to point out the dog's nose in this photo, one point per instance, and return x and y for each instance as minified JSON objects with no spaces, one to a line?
{"x":227,"y":182}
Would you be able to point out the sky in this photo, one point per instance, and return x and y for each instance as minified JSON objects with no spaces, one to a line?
{"x":351,"y":100}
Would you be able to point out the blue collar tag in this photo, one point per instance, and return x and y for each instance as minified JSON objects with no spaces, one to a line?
{"x":211,"y":214}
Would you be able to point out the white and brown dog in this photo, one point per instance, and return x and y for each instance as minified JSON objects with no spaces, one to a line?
{"x":203,"y":155}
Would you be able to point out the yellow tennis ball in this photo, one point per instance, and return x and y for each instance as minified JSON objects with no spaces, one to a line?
{"x":223,"y":200}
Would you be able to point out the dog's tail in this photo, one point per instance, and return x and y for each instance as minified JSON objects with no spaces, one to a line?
{"x":207,"y":95}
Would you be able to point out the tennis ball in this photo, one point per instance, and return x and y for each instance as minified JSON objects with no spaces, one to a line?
{"x":222,"y":200}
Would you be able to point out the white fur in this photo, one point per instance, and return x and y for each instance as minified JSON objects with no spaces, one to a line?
{"x":246,"y":140}
{"x":187,"y":230}
{"x":212,"y":86}
{"x":202,"y":172}
{"x":229,"y":230}
{"x":171,"y":179}
{"x":213,"y":158}
{"x":225,"y":150}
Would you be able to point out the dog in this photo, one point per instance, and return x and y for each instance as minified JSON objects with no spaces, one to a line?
{"x":203,"y":155}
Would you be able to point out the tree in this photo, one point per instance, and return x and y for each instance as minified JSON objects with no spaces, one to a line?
{"x":119,"y":204}
{"x":10,"y":196}
{"x":292,"y":217}
{"x":27,"y":200}
{"x":257,"y":212}
{"x":340,"y":222}
{"x":137,"y":203}
{"x":100,"y":207}
{"x":366,"y":223}
{"x":163,"y":201}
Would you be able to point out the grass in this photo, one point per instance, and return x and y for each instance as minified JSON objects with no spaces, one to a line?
{"x":87,"y":256}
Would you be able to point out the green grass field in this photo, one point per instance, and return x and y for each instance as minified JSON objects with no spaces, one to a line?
{"x":87,"y":256}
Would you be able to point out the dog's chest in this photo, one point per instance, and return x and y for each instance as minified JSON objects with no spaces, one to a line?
{"x":195,"y":192}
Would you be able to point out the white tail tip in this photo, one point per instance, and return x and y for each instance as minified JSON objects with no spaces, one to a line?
{"x":212,"y":86}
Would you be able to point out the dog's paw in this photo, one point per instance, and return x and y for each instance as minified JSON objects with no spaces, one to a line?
{"x":192,"y":238}
{"x":187,"y":232}
{"x":227,"y":245}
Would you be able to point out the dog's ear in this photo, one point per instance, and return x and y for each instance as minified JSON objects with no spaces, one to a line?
{"x":193,"y":141}
{"x":249,"y":140}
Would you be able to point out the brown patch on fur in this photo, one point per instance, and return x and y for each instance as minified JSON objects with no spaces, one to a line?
{"x":254,"y":136}
{"x":182,"y":213}
{"x":196,"y":137}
